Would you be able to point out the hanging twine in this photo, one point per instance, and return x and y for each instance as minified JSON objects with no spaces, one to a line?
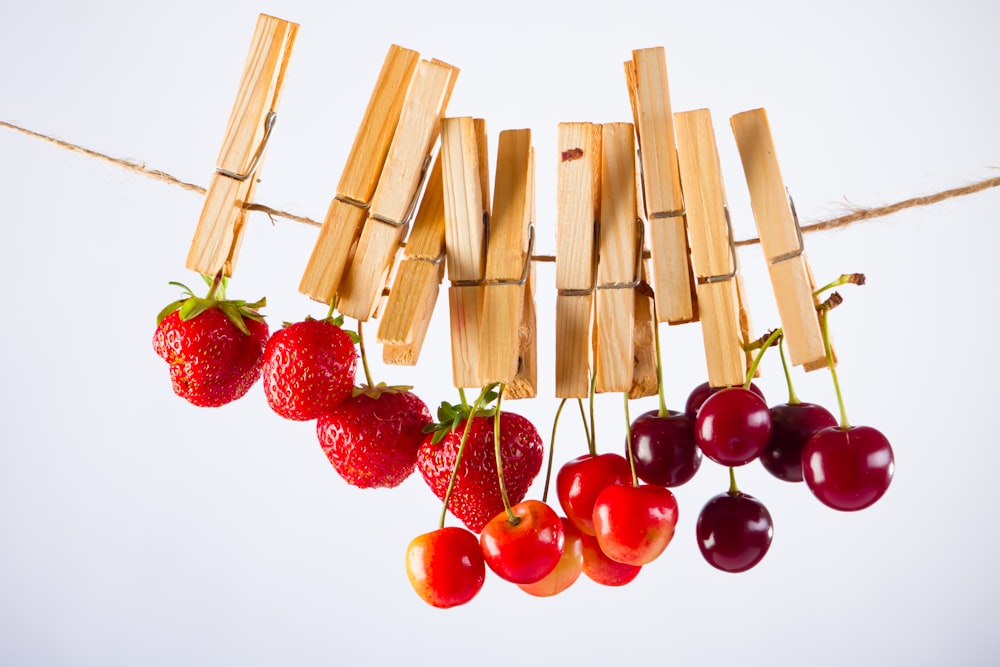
{"x":858,"y":215}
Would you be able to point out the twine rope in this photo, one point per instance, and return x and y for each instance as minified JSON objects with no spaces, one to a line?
{"x":858,"y":215}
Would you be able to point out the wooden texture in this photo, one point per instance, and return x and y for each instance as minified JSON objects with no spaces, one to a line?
{"x":506,"y":259}
{"x":712,"y":252}
{"x":338,"y":237}
{"x":644,"y":380}
{"x":664,"y":206}
{"x":577,"y":210}
{"x":788,"y":267}
{"x":219,"y":232}
{"x":466,"y":205}
{"x":414,"y":292}
{"x":398,"y":188}
{"x":619,"y":245}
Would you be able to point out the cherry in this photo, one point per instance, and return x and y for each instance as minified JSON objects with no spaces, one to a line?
{"x":445,"y":566}
{"x":700,"y":393}
{"x":579,"y":481}
{"x":525,"y":551}
{"x":601,"y":569}
{"x":791,"y":425}
{"x":733,"y":426}
{"x":664,"y":449}
{"x":734,"y":531}
{"x":634,"y":524}
{"x":566,"y":571}
{"x":848,"y":467}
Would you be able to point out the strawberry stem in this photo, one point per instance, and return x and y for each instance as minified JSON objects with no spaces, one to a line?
{"x":364,"y":357}
{"x":552,"y":449}
{"x":216,"y":283}
{"x":461,"y":396}
{"x":628,"y":442}
{"x":461,"y":450}
{"x":512,"y":519}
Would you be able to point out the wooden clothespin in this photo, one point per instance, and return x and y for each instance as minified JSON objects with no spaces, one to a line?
{"x":577,"y":238}
{"x":619,"y":268}
{"x":466,"y":189}
{"x":781,"y":239}
{"x":713,"y":250}
{"x":349,"y":208}
{"x":398,"y":188}
{"x":649,"y":92}
{"x":644,"y":377}
{"x":220,"y":227}
{"x":414,"y":292}
{"x":508,"y":259}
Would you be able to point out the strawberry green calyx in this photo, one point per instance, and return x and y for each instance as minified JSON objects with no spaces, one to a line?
{"x":235,"y":310}
{"x":450,"y":415}
{"x":378,"y":390}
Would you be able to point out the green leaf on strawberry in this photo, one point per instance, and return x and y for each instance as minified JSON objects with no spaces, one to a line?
{"x":190,"y":307}
{"x":450,"y":415}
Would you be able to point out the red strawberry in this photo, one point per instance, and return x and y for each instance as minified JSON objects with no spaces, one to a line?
{"x":372,"y":438}
{"x":476,"y":497}
{"x":309,"y":368}
{"x":213,"y":346}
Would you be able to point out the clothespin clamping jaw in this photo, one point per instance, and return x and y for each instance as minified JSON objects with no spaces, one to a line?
{"x":219,"y":233}
{"x":724,"y":322}
{"x":649,"y":93}
{"x":780,"y":239}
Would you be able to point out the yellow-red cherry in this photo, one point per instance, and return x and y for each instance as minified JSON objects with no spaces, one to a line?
{"x":445,"y":566}
{"x":580,"y":480}
{"x":526,"y":550}
{"x":567,"y":570}
{"x":634,"y":524}
{"x":600,"y":569}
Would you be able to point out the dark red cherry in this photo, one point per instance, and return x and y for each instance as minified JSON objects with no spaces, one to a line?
{"x":664,"y":449}
{"x":734,"y":531}
{"x":791,"y":425}
{"x":849,"y":468}
{"x":733,"y":426}
{"x":703,"y":391}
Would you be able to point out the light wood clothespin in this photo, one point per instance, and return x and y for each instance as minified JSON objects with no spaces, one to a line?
{"x":466,"y":189}
{"x":398,"y":188}
{"x":414,"y":292}
{"x":347,"y":212}
{"x":780,"y":239}
{"x":220,"y":227}
{"x":649,"y":93}
{"x":644,"y":377}
{"x":713,"y":250}
{"x":619,"y":267}
{"x":508,"y":259}
{"x":577,"y":209}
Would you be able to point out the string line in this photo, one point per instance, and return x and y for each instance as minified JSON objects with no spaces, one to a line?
{"x":855,"y":216}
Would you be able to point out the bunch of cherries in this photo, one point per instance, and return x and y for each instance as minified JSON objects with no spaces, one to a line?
{"x":619,"y":510}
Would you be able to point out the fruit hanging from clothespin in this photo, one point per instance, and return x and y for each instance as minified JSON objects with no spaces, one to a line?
{"x":219,"y":233}
{"x":408,"y":309}
{"x":577,"y":237}
{"x":724,"y":320}
{"x":780,"y":239}
{"x":649,"y":93}
{"x":398,"y":190}
{"x":619,"y":266}
{"x":507,"y":351}
{"x":466,"y":187}
{"x":348,"y":210}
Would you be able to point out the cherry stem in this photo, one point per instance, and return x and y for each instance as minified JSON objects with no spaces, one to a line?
{"x":364,"y":357}
{"x":768,"y":342}
{"x":512,"y":518}
{"x":733,"y":489}
{"x":659,"y":366}
{"x":792,"y":398}
{"x":823,"y":317}
{"x":592,"y":440}
{"x":844,"y":279}
{"x":586,"y":429}
{"x":628,"y":442}
{"x":216,"y":283}
{"x":461,"y":450}
{"x":552,"y":449}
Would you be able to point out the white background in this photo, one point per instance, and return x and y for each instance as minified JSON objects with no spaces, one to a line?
{"x":136,"y":529}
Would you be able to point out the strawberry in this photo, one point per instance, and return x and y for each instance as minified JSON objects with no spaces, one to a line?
{"x":372,"y":438}
{"x":213,"y":346}
{"x":476,"y":497}
{"x":309,"y":368}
